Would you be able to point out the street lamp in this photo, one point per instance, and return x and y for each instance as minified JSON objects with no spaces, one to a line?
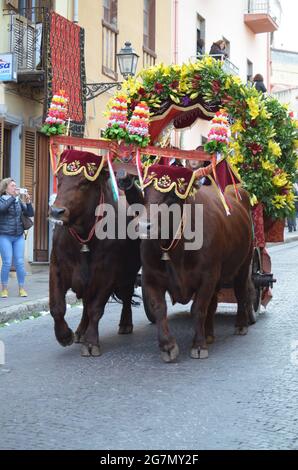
{"x":127,"y":61}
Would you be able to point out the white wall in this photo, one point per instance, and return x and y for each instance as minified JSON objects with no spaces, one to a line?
{"x":222,"y":19}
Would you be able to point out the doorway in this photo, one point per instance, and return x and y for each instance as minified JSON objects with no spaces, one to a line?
{"x":6,"y":172}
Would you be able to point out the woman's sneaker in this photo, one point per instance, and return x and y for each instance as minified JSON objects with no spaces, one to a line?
{"x":22,"y":292}
{"x":4,"y":294}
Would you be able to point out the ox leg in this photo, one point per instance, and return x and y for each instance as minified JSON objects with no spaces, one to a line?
{"x":125,"y":325}
{"x":244,"y":300}
{"x":64,"y":334}
{"x":80,"y":331}
{"x":199,"y":311}
{"x":209,"y":324}
{"x":158,"y":308}
{"x":95,"y":310}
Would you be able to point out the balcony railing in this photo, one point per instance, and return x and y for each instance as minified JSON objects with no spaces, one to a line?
{"x":27,"y":39}
{"x":263,"y":16}
{"x":149,"y":57}
{"x":227,"y":65}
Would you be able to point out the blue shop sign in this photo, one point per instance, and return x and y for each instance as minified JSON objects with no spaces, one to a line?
{"x":7,"y":68}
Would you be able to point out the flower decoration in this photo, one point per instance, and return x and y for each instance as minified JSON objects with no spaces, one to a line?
{"x":57,"y":115}
{"x":117,"y":118}
{"x":218,"y":137}
{"x":263,"y":133}
{"x":138,"y":126}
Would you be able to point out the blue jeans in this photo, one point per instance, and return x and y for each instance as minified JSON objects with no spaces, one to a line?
{"x":12,"y":247}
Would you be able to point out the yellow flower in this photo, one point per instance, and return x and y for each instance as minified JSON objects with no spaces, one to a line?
{"x":253,"y":200}
{"x":268,"y":165}
{"x":264,"y":114}
{"x":296,"y":143}
{"x":280,"y":179}
{"x":274,"y":148}
{"x":279,"y":201}
{"x":237,"y":127}
{"x":236,"y":80}
{"x":228,"y":82}
{"x":253,"y":105}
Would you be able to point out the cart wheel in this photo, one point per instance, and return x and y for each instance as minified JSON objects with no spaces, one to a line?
{"x":149,"y":315}
{"x":256,"y":306}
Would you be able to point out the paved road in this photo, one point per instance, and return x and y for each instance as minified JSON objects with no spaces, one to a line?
{"x":243,"y":397}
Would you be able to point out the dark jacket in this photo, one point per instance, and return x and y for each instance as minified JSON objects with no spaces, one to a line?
{"x":10,"y":215}
{"x":216,"y":50}
{"x":259,"y":84}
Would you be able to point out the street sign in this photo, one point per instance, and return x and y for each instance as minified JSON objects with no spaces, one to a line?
{"x":8,"y":71}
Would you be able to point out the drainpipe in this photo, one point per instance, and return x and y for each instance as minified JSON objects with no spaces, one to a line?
{"x":75,"y":11}
{"x":268,"y":63}
{"x":176,"y":135}
{"x":175,"y":31}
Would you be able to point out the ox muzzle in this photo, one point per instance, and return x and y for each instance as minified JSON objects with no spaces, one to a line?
{"x":56,"y":214}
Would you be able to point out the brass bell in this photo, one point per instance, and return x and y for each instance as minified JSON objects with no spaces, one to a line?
{"x":84,"y":249}
{"x":165,"y":256}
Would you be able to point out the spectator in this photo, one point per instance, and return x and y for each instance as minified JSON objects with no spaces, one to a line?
{"x":259,"y":83}
{"x":12,"y":233}
{"x":218,"y":49}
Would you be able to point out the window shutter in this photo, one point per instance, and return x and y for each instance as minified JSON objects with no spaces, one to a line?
{"x":29,"y":158}
{"x":1,"y":146}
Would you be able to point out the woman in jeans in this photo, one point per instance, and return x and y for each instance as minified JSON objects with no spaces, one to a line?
{"x":12,"y":233}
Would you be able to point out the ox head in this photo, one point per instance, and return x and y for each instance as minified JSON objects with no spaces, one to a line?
{"x":78,"y":187}
{"x":166,"y":188}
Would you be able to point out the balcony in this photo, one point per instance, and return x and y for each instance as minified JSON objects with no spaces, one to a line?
{"x":27,"y":40}
{"x":227,"y":65}
{"x":263,"y":16}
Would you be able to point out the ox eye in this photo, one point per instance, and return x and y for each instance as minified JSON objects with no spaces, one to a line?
{"x":83,"y":185}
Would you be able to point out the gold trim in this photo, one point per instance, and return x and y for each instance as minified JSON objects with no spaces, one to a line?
{"x":173,"y":185}
{"x":82,"y":168}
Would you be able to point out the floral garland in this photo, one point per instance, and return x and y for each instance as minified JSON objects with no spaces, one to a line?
{"x":263,"y":135}
{"x":57,"y":115}
{"x":218,"y":136}
{"x":134,"y":131}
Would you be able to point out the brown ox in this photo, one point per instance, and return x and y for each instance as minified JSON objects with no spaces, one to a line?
{"x":225,"y":257}
{"x":110,"y":267}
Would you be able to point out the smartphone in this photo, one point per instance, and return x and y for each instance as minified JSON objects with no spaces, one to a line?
{"x":23,"y":191}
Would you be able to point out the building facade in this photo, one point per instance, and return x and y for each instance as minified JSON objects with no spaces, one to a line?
{"x":24,"y":36}
{"x":244,"y":25}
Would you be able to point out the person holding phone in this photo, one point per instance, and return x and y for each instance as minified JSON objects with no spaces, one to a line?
{"x":12,"y":241}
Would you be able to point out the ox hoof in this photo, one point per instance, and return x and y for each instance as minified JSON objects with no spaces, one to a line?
{"x":241,"y":330}
{"x":171,"y":355}
{"x":78,"y":338}
{"x":197,"y":353}
{"x":210,"y":339}
{"x":67,"y":339}
{"x":90,"y":350}
{"x":125,"y":329}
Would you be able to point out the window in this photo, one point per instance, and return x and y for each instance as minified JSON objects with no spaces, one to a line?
{"x":149,"y":24}
{"x":109,"y":38}
{"x":110,"y":8}
{"x":200,"y":48}
{"x":249,"y":71}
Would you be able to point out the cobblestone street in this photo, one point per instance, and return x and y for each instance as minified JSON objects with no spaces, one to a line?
{"x":243,"y":397}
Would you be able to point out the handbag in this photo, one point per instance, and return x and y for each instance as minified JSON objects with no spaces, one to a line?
{"x":26,"y":221}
